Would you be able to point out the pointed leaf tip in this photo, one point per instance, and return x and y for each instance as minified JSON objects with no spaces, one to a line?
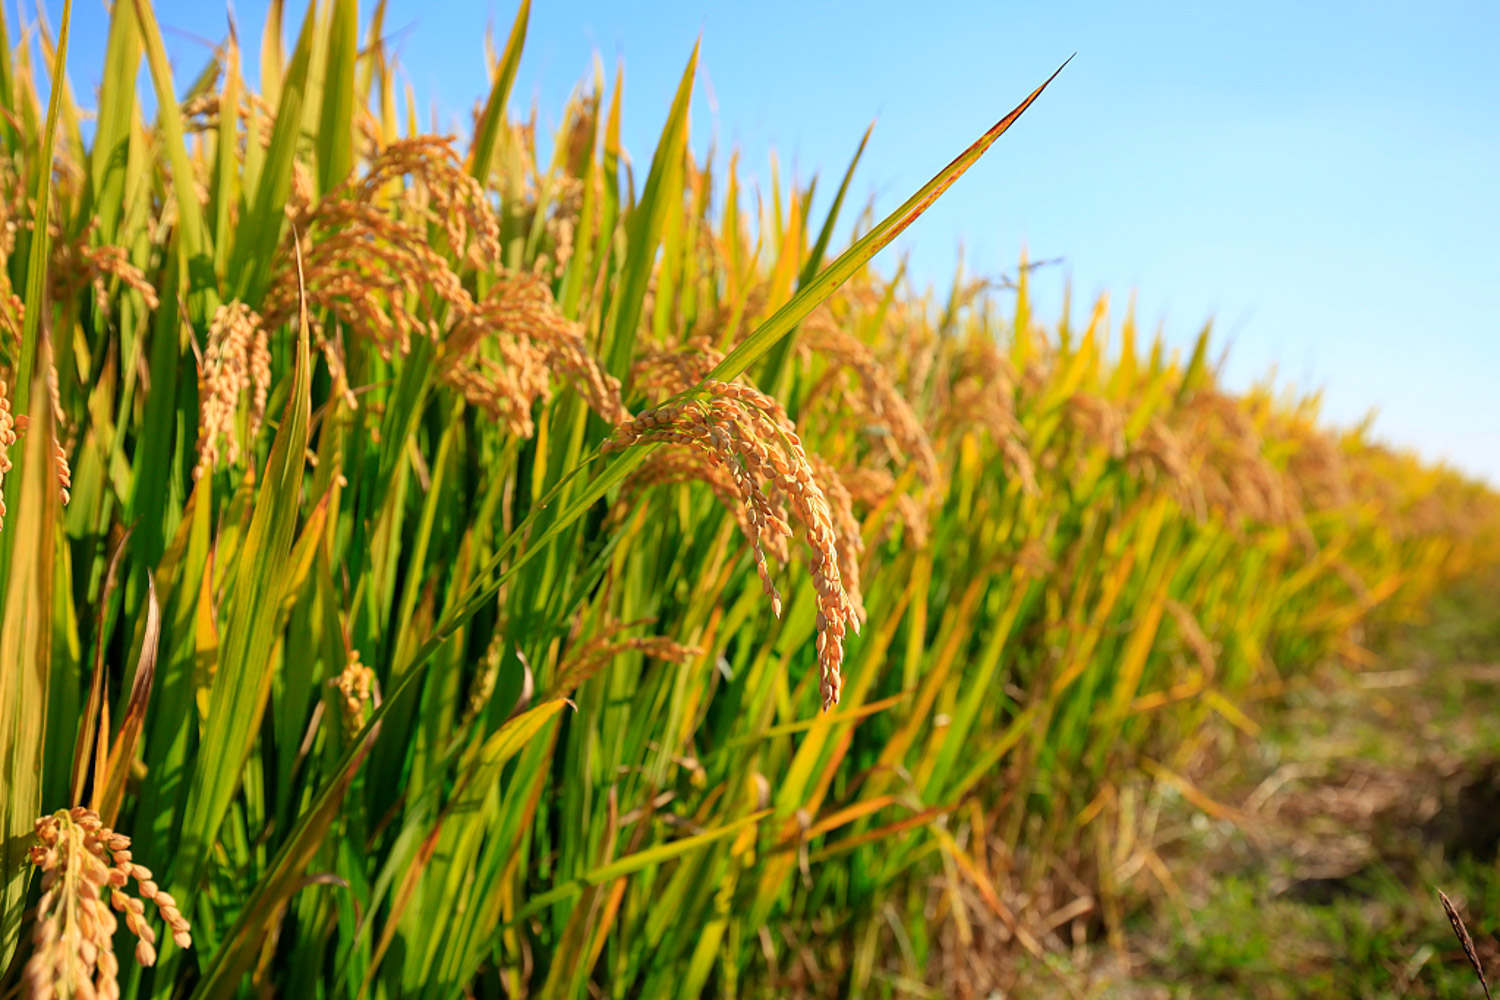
{"x":836,"y":273}
{"x":966,"y":159}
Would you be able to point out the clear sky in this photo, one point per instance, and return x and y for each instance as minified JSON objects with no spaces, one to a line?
{"x":1320,"y":180}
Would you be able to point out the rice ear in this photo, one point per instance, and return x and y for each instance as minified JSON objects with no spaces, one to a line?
{"x":747,"y":433}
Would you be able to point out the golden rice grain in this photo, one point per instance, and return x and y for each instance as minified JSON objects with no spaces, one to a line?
{"x":83,"y":863}
{"x":878,"y":403}
{"x":584,"y":660}
{"x":238,"y":358}
{"x":503,"y":352}
{"x":749,"y":433}
{"x":7,"y":439}
{"x":355,"y":685}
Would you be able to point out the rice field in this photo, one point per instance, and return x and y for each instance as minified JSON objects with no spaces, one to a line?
{"x":433,"y":571}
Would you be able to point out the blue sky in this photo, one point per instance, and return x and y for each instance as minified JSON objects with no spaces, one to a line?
{"x":1322,"y":181}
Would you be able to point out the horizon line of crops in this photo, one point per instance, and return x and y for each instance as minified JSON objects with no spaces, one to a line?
{"x":436,"y":566}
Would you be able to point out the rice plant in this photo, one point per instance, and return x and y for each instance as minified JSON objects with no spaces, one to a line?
{"x":432,"y":571}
